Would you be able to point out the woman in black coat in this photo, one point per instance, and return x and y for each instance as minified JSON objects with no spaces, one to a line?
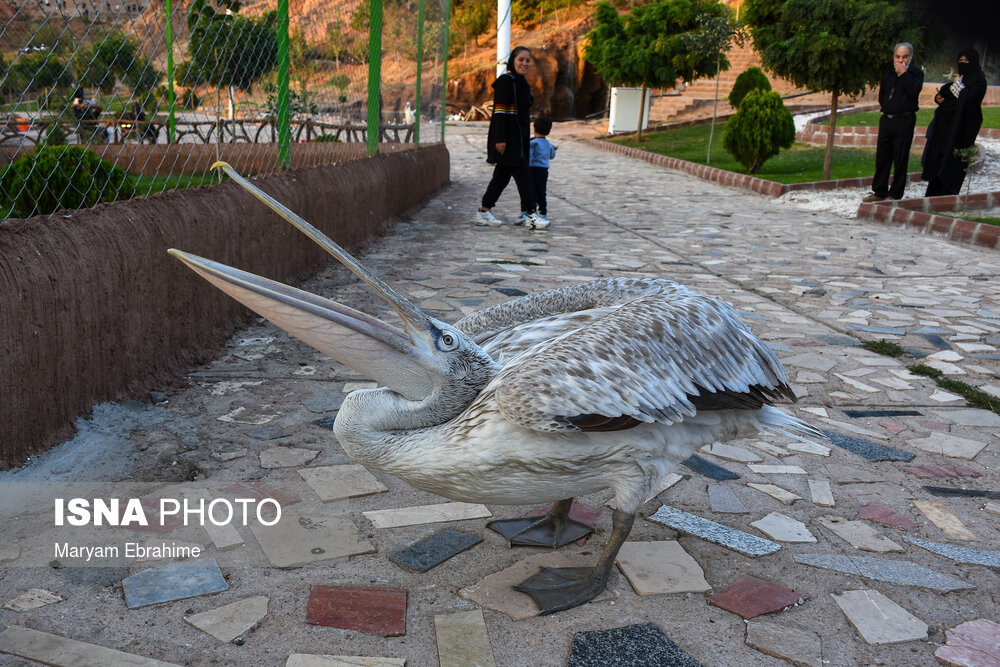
{"x":508,"y":141}
{"x":956,"y":123}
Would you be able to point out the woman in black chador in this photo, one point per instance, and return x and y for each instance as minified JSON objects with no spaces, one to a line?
{"x":507,"y":144}
{"x":956,"y":123}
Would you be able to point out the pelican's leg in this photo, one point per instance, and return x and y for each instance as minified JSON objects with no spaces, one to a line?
{"x":555,"y":529}
{"x":557,"y":588}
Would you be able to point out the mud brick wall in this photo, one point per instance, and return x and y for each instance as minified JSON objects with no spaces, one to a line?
{"x":93,"y":309}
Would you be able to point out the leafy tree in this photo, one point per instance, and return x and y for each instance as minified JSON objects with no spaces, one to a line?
{"x":759,"y":129}
{"x":658,"y":43}
{"x":473,"y":18}
{"x":837,"y":46}
{"x":752,"y":78}
{"x":228,"y":50}
{"x":36,"y":71}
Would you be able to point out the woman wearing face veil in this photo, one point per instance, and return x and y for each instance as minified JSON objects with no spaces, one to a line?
{"x":956,"y":123}
{"x":507,"y":144}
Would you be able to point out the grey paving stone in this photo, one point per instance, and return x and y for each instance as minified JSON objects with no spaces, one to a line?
{"x":879,"y":330}
{"x":730,"y":538}
{"x":628,"y":646}
{"x":435,"y":550}
{"x":856,"y":414}
{"x":840,"y":340}
{"x":709,"y":469}
{"x":900,"y":572}
{"x":963,"y":493}
{"x":867,"y":449}
{"x":955,"y":552}
{"x":173,"y":582}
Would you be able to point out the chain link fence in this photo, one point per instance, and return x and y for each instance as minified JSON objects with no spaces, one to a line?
{"x":111,"y":99}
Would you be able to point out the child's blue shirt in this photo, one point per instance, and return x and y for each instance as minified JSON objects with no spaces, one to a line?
{"x":542,"y":151}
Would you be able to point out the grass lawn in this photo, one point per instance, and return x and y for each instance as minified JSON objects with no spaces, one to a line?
{"x":150,"y":185}
{"x":991,"y":118}
{"x":986,"y":221}
{"x":798,"y":164}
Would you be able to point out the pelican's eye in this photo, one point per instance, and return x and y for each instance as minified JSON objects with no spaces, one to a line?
{"x":448,"y":341}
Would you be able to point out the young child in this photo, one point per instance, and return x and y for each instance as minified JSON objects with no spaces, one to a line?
{"x":542,"y":151}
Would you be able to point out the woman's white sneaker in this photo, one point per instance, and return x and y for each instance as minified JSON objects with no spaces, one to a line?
{"x":487,"y":219}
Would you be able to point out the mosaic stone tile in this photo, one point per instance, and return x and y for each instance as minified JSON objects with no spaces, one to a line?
{"x":773,"y":450}
{"x":52,"y":649}
{"x":809,"y":448}
{"x":713,"y":532}
{"x":343,"y":481}
{"x":857,"y":414}
{"x":969,"y":417}
{"x":776,"y":469}
{"x":951,"y":526}
{"x":820,"y":492}
{"x":421,"y":514}
{"x":436,"y":549}
{"x":657,"y":568}
{"x":776,"y":492}
{"x":869,"y":450}
{"x":792,"y":644}
{"x":286,"y":457}
{"x":940,"y":471}
{"x":731,"y":453}
{"x":644,"y":644}
{"x":724,"y":500}
{"x":878,"y":619}
{"x":955,"y":552}
{"x":783,"y":528}
{"x":858,"y":534}
{"x":992,"y":507}
{"x":971,"y":644}
{"x":948,"y":445}
{"x":299,"y":540}
{"x":378,"y":610}
{"x":173,"y":582}
{"x":899,"y":572}
{"x":709,"y":469}
{"x":32,"y":599}
{"x":462,"y":640}
{"x":947,"y":491}
{"x":749,"y":597}
{"x":885,"y":515}
{"x":233,"y":620}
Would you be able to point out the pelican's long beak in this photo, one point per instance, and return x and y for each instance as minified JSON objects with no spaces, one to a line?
{"x":393,"y":358}
{"x":400,"y":360}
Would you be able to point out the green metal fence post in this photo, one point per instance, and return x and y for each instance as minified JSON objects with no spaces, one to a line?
{"x":374,"y":76}
{"x":171,"y":97}
{"x":284,"y":119}
{"x":420,"y":62}
{"x":444,"y":74}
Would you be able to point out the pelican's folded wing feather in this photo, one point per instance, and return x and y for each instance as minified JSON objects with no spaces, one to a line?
{"x":655,"y":358}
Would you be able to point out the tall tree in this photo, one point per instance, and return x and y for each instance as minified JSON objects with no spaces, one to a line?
{"x":658,"y":43}
{"x":837,"y":46}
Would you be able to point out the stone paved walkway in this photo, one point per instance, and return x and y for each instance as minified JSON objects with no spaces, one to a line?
{"x":812,"y":285}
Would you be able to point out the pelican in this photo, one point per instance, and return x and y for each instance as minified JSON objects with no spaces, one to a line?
{"x":605,"y":384}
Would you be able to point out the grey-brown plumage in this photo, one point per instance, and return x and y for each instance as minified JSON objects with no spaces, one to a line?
{"x":606,"y":384}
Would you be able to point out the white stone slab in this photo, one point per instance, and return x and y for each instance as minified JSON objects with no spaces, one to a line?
{"x":948,"y":445}
{"x":945,"y":397}
{"x":344,"y":481}
{"x":776,"y":469}
{"x":993,"y":507}
{"x":969,"y":416}
{"x":298,"y":540}
{"x":893,"y":383}
{"x":857,"y":384}
{"x":945,"y":355}
{"x":821,"y":412}
{"x":809,"y":448}
{"x":656,"y":568}
{"x":795,"y":645}
{"x":951,"y":526}
{"x":858,"y":534}
{"x":878,"y":619}
{"x":224,"y":537}
{"x":32,"y":599}
{"x":731,"y":453}
{"x":783,"y":528}
{"x":776,"y":492}
{"x":852,"y":428}
{"x":768,"y":448}
{"x":230,"y":621}
{"x":410,"y":516}
{"x":462,"y":640}
{"x":286,"y":457}
{"x":821,"y":493}
{"x":63,"y":652}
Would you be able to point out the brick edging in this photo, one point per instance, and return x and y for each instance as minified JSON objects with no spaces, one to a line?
{"x":911,"y":213}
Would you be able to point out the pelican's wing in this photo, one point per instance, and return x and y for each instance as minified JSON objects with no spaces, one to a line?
{"x":655,"y":358}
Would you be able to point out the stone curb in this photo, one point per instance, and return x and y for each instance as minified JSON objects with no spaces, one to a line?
{"x":910,"y":213}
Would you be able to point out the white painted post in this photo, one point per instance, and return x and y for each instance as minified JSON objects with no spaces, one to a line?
{"x":503,"y":35}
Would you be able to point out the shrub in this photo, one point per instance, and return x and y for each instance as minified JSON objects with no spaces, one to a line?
{"x":51,"y":178}
{"x":750,"y":79}
{"x":760,"y":128}
{"x":327,"y":137}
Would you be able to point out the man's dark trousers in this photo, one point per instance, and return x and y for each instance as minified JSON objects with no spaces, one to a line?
{"x":895,"y":134}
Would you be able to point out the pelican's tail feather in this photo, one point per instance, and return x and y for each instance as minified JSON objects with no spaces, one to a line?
{"x":775,"y":420}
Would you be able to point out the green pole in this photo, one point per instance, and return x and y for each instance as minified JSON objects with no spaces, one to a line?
{"x":420,"y":63}
{"x":171,"y":97}
{"x":374,"y":75}
{"x":444,"y":75}
{"x":284,"y":131}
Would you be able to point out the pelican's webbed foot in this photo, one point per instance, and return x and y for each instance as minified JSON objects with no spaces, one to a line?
{"x":556,"y":588}
{"x":554,"y":529}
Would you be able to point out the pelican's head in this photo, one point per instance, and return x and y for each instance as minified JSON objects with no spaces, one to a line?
{"x":425,"y":358}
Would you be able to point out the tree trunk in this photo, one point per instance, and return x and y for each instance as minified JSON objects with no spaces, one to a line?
{"x":829,"y":139}
{"x":715,"y":109}
{"x":642,"y":108}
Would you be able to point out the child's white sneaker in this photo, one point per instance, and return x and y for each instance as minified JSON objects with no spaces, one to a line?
{"x":535,"y":221}
{"x":487,"y":219}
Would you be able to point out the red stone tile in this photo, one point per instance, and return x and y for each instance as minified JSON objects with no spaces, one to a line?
{"x":932,"y":425}
{"x":971,"y":644}
{"x":750,"y":596}
{"x":374,"y":609}
{"x":893,"y":427}
{"x":885,"y":515}
{"x":941,"y":471}
{"x":258,"y":490}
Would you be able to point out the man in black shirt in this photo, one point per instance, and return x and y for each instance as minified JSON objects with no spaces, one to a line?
{"x":898,"y":97}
